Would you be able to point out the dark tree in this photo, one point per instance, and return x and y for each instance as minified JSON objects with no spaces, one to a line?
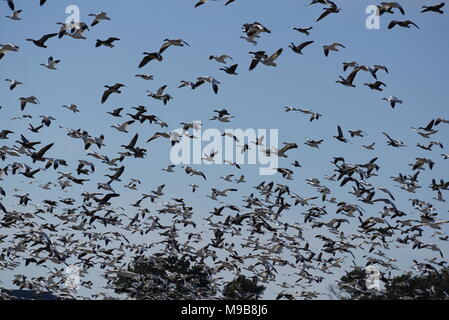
{"x":429,"y":284}
{"x":165,"y":277}
{"x":243,"y":288}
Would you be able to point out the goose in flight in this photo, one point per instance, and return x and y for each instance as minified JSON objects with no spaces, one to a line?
{"x":4,"y":134}
{"x":72,"y":107}
{"x":174,"y":42}
{"x":332,"y":47}
{"x":150,"y":56}
{"x":51,"y":65}
{"x":327,"y":11}
{"x":436,"y":8}
{"x":15,"y":15}
{"x":102,"y":16}
{"x":123,"y":127}
{"x":145,"y":76}
{"x":107,"y":43}
{"x":4,"y":48}
{"x":116,"y":112}
{"x":404,"y":24}
{"x":231,"y":69}
{"x":209,"y":157}
{"x":110,"y":90}
{"x":160,"y":95}
{"x":305,"y":31}
{"x":369,"y":147}
{"x":251,"y":40}
{"x":24,"y":101}
{"x":41,"y":42}
{"x":348,"y":82}
{"x":211,"y":80}
{"x":261,"y":56}
{"x":392,"y":100}
{"x":387,"y":7}
{"x":201,"y":2}
{"x":221,"y":59}
{"x":340,"y":136}
{"x":393,"y":142}
{"x":13,"y":83}
{"x":376,"y":85}
{"x":255,"y":28}
{"x":376,"y":68}
{"x":313,"y":143}
{"x":297,"y":49}
{"x":313,"y":115}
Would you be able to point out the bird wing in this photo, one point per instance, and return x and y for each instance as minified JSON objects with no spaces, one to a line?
{"x":253,"y":64}
{"x":275,"y":55}
{"x":105,"y":96}
{"x":48,"y":36}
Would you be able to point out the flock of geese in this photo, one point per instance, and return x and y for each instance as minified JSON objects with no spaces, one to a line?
{"x":97,"y":229}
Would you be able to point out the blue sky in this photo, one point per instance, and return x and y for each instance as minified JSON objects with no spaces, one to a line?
{"x":416,"y":59}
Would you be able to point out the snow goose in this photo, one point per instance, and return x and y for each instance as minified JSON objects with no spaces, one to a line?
{"x":297,"y":49}
{"x":102,"y":16}
{"x":261,"y":56}
{"x":348,"y":82}
{"x":392,"y":100}
{"x":51,"y":65}
{"x":376,"y":85}
{"x":150,"y":56}
{"x":4,"y":48}
{"x":221,"y":59}
{"x":327,"y":11}
{"x":123,"y":127}
{"x":111,"y":89}
{"x":251,"y":40}
{"x":332,"y":47}
{"x":387,"y":7}
{"x":15,"y":15}
{"x":160,"y":95}
{"x":13,"y":83}
{"x":255,"y":28}
{"x":72,"y":108}
{"x":436,"y":8}
{"x":174,"y":42}
{"x":340,"y":136}
{"x":145,"y":76}
{"x":231,"y":69}
{"x":41,"y":42}
{"x":107,"y":43}
{"x":116,"y":112}
{"x":24,"y":101}
{"x":211,"y":80}
{"x":305,"y":31}
{"x":403,"y":24}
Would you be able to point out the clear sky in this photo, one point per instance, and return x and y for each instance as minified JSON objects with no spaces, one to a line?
{"x":416,"y":60}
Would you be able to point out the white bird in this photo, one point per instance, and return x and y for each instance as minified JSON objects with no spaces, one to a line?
{"x":15,"y":15}
{"x":123,"y":127}
{"x":4,"y":48}
{"x":102,"y":16}
{"x":13,"y":83}
{"x":51,"y":64}
{"x":221,"y":59}
{"x":211,"y":80}
{"x":392,"y":100}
